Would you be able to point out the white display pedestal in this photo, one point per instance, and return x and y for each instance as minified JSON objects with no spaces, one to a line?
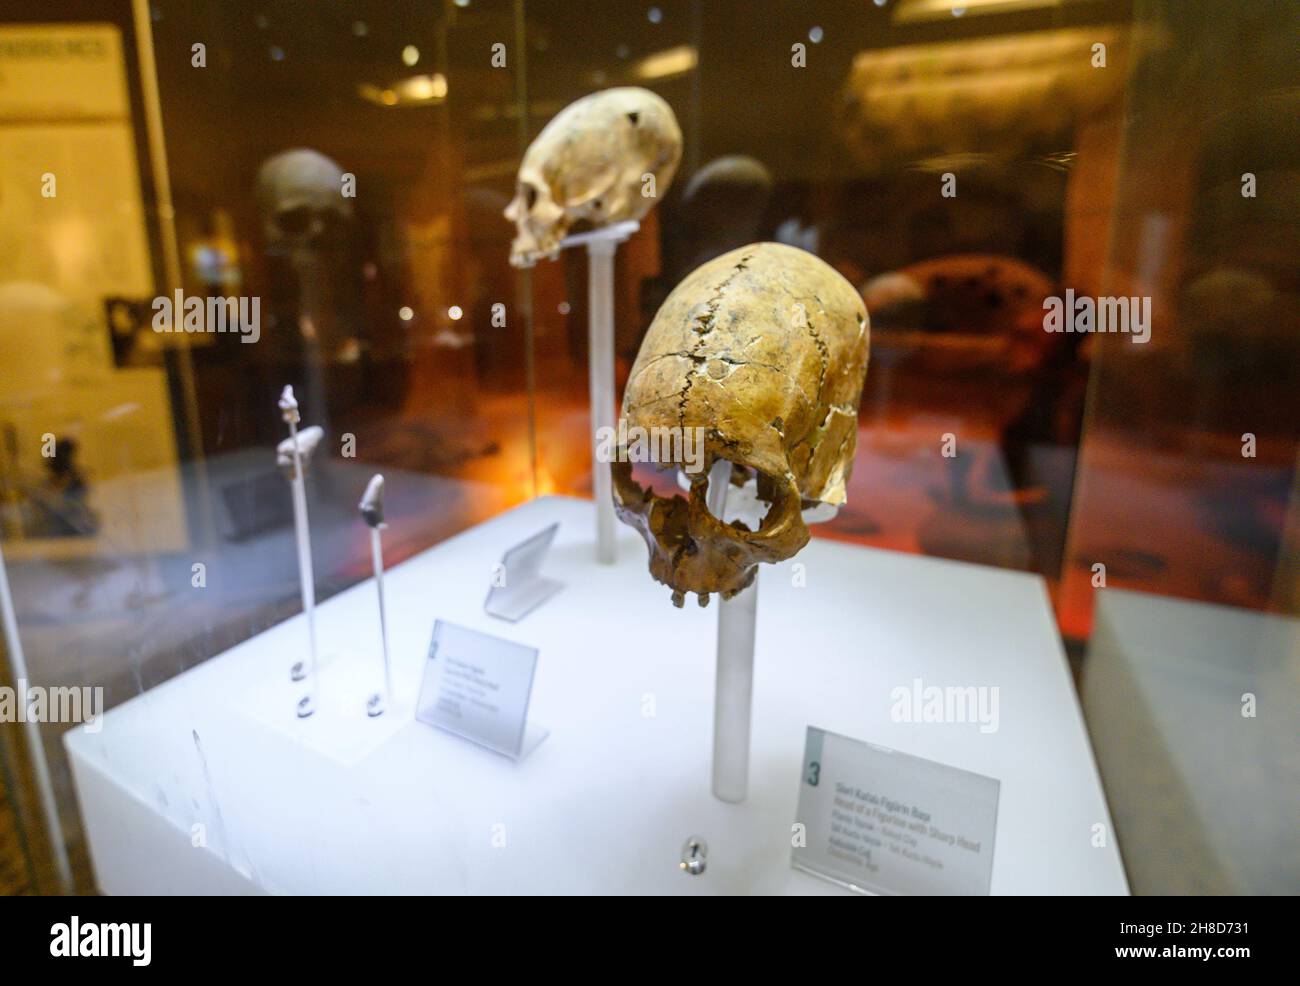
{"x":625,"y":683}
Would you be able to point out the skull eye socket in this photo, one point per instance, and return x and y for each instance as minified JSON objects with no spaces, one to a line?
{"x":304,"y":219}
{"x":754,"y":515}
{"x":295,"y":221}
{"x":530,"y":197}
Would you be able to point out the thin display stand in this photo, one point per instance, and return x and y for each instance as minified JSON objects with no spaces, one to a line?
{"x":297,"y":461}
{"x":733,"y":694}
{"x":521,"y":587}
{"x":601,"y":246}
{"x":372,"y":512}
{"x":733,"y":697}
{"x":306,"y":582}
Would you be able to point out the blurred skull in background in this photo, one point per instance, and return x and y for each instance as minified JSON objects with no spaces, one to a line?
{"x":300,"y":195}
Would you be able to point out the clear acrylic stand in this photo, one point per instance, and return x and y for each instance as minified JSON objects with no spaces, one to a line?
{"x":533,"y":737}
{"x":523,"y":587}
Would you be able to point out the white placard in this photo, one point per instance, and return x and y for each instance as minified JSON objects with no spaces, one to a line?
{"x":887,"y":822}
{"x":478,"y":686}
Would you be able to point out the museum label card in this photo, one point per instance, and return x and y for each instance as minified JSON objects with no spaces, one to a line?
{"x":478,"y":686}
{"x":882,"y":821}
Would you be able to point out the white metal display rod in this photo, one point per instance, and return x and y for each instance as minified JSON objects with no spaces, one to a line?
{"x":372,"y":512}
{"x":306,"y":578}
{"x":600,"y":346}
{"x":377,"y":555}
{"x":304,"y":561}
{"x":616,"y":234}
{"x":601,"y":246}
{"x":40,"y":766}
{"x":733,"y":694}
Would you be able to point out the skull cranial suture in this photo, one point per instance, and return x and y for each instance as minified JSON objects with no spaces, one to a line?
{"x":765,"y":350}
{"x":590,"y":166}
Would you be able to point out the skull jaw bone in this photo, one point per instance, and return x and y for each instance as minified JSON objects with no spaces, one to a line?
{"x":693,"y":551}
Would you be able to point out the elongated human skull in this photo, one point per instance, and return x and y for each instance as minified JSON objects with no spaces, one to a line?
{"x":764,"y":351}
{"x":300,"y":194}
{"x":589,"y":164}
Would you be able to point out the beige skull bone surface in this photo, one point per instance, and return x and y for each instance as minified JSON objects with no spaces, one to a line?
{"x":588,"y":165}
{"x":764,"y":349}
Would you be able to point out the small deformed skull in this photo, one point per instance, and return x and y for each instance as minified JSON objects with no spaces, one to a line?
{"x":763,"y":353}
{"x":300,"y":195}
{"x":589,"y":165}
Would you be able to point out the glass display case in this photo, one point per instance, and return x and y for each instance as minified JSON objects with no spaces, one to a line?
{"x":965,"y":337}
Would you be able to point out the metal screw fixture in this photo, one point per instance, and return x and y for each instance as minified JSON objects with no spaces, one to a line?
{"x":695,"y":855}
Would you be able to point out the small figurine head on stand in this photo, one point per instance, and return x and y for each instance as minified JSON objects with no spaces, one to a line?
{"x":288,"y":405}
{"x":372,"y":503}
{"x":307,"y":441}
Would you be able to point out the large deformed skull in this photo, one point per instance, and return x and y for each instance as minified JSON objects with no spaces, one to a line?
{"x":589,"y":165}
{"x":764,"y":350}
{"x":300,"y":194}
